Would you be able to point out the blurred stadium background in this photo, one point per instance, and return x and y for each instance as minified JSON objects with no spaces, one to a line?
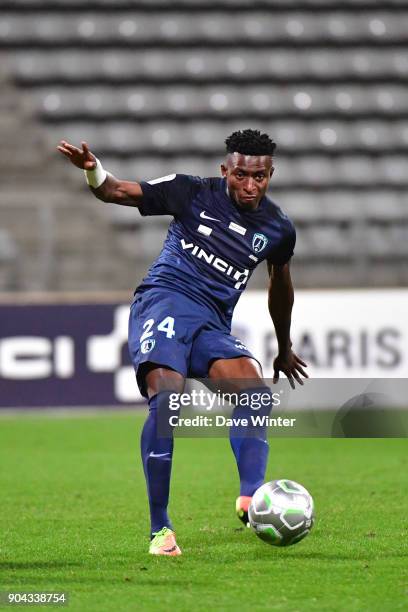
{"x":155,"y":87}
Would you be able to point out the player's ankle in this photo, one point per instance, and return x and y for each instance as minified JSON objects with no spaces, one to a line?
{"x":243,"y":502}
{"x":155,"y":531}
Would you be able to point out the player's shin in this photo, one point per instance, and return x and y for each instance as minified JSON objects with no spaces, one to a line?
{"x":249,"y":442}
{"x":157,"y":453}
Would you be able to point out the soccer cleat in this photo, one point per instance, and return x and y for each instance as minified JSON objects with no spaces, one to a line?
{"x":164,"y":543}
{"x":241,"y":507}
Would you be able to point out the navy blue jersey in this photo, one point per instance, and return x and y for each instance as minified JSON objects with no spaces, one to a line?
{"x":212,"y":246}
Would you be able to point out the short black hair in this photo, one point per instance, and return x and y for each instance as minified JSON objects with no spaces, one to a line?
{"x":250,"y":142}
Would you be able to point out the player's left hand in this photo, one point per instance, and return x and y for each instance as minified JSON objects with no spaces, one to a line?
{"x":291,"y":365}
{"x":81,"y":158}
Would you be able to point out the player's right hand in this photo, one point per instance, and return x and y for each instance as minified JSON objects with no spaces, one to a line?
{"x":81,"y":158}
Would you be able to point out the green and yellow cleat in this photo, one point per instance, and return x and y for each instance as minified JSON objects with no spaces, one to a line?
{"x":164,"y":543}
{"x":241,"y":507}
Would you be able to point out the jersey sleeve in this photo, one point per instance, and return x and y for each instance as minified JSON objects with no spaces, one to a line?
{"x":287,"y":246}
{"x":168,"y":195}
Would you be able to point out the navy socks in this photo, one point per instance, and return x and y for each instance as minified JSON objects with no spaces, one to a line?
{"x":157,"y":455}
{"x":250,"y":444}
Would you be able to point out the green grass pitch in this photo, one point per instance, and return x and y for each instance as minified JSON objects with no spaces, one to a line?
{"x":74,"y":519}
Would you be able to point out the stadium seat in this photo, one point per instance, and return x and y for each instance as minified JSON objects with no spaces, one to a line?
{"x":393,"y":169}
{"x":8,"y":247}
{"x":313,"y":244}
{"x":331,"y":242}
{"x":9,"y":259}
{"x":384,"y":205}
{"x":338,"y":206}
{"x":400,"y":239}
{"x":356,"y":170}
{"x":304,"y":248}
{"x":300,"y":205}
{"x":380,"y":243}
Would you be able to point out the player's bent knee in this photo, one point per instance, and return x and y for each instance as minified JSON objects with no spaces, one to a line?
{"x":238,"y":367}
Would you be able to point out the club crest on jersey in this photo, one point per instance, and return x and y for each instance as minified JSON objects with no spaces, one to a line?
{"x":147,"y":345}
{"x":259,"y":242}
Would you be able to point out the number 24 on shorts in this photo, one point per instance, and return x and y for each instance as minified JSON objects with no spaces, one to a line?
{"x":166,"y":326}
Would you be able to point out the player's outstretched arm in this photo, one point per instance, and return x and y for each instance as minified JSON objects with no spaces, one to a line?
{"x":280,"y":303}
{"x":102,"y":184}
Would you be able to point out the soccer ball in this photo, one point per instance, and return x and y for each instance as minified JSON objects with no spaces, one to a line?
{"x":281,"y":512}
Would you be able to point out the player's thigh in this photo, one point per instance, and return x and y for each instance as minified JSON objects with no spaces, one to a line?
{"x":218,"y":354}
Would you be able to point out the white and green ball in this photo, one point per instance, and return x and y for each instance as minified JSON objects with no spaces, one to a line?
{"x":281,"y":512}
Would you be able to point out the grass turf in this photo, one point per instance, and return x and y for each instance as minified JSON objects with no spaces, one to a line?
{"x":74,"y":519}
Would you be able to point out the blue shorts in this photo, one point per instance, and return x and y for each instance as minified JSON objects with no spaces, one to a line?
{"x":170,"y":329}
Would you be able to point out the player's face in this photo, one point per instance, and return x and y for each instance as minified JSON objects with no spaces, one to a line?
{"x":247,"y":177}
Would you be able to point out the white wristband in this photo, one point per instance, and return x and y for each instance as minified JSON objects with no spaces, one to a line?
{"x":97,"y":176}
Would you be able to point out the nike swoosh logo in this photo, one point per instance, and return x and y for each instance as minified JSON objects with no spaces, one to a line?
{"x":159,"y":454}
{"x":204,"y":216}
{"x":169,"y":550}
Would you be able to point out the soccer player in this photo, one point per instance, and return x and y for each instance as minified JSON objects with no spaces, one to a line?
{"x":180,"y":318}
